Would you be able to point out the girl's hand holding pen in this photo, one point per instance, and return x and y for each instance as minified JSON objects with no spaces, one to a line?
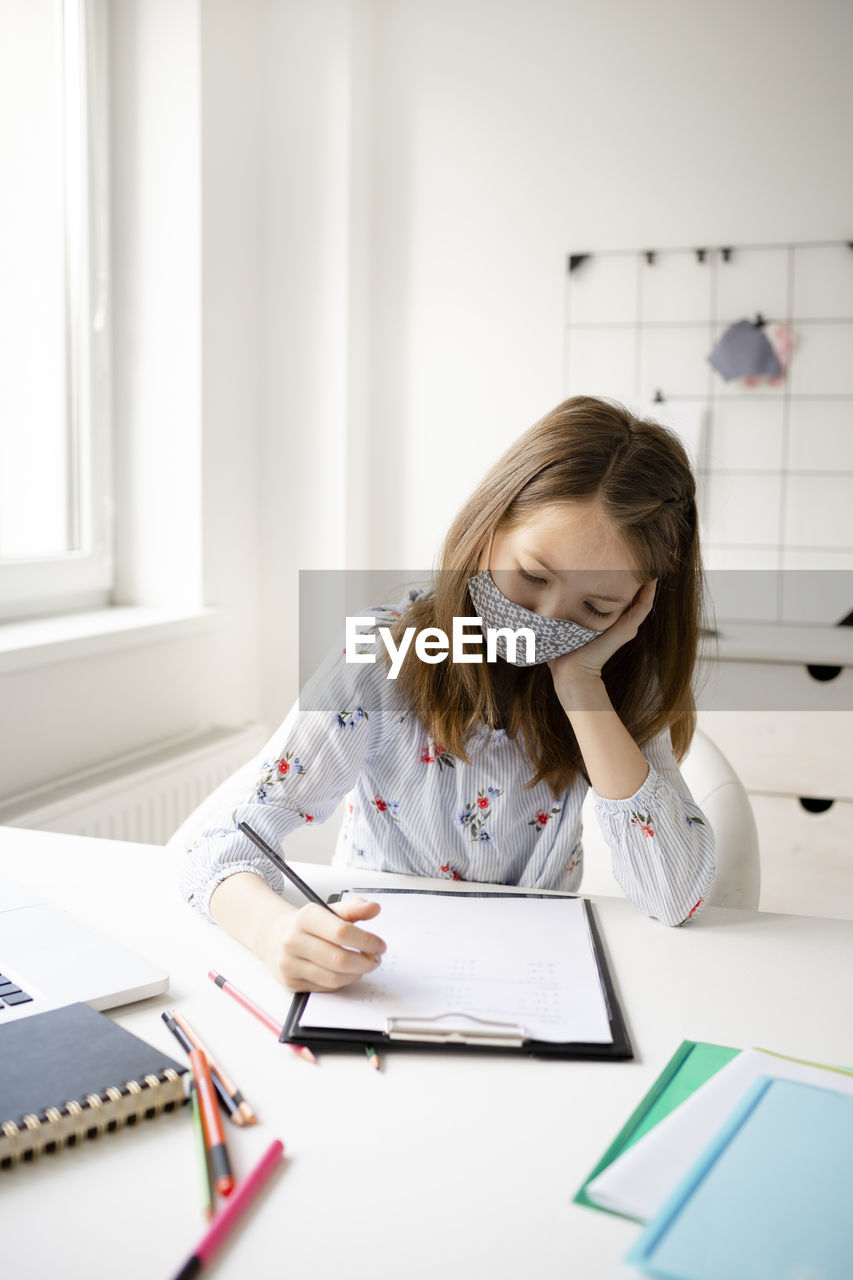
{"x":317,"y":949}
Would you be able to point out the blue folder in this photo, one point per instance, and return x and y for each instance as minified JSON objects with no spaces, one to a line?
{"x":770,"y":1198}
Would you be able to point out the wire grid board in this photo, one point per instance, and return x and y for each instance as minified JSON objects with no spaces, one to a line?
{"x":774,"y":464}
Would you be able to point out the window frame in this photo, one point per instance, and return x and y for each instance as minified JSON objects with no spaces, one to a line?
{"x":80,"y":578}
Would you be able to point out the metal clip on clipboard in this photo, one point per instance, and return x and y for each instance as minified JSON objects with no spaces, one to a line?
{"x":504,"y":1035}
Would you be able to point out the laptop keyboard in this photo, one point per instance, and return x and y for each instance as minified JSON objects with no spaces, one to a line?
{"x":11,"y":993}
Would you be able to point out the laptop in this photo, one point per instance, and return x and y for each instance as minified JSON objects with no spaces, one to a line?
{"x":49,"y":959}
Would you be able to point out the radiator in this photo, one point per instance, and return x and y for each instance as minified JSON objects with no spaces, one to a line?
{"x":144,"y":797}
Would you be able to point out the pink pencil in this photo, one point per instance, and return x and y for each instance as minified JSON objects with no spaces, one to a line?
{"x":266,"y":1018}
{"x":233,"y":1210}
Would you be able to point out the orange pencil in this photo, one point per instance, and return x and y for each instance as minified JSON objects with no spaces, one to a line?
{"x":246,"y":1112}
{"x":214,"y":1136}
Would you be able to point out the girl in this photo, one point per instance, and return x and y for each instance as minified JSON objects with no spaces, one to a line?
{"x":585,"y":532}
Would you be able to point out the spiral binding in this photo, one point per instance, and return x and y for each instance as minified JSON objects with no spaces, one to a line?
{"x":95,"y":1115}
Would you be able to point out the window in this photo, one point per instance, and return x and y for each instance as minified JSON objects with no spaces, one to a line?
{"x":55,"y":487}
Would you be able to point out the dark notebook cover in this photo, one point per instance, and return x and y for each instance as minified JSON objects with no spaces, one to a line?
{"x":63,"y":1055}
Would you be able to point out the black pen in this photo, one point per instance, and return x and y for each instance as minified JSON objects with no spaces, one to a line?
{"x":226,"y":1101}
{"x":277,"y":860}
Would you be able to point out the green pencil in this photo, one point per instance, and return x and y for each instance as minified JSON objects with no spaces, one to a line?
{"x":372,"y":1056}
{"x":201,"y":1148}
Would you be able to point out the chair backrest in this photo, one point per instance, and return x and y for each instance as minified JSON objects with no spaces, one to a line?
{"x":220,"y":800}
{"x":306,"y":844}
{"x":722,"y":798}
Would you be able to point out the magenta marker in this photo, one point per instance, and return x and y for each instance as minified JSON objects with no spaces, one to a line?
{"x":233,"y":1210}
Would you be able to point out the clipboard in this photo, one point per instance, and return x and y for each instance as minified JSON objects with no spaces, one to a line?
{"x":427,"y":1032}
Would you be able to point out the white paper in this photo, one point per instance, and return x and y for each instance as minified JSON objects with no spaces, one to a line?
{"x":509,"y":962}
{"x":642,"y":1178}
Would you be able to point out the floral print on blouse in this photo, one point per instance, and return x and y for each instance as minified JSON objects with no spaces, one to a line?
{"x":412,"y":808}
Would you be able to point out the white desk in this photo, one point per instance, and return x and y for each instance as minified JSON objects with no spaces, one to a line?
{"x":438,"y":1165}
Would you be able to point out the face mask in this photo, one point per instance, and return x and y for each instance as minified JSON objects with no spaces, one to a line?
{"x":553,"y":636}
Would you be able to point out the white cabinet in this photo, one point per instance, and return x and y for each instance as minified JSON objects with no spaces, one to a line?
{"x":789,"y":737}
{"x":806,"y":857}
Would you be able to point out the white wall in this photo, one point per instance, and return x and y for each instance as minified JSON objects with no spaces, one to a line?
{"x":304,"y":69}
{"x":385,"y":192}
{"x":232,"y":270}
{"x":509,"y":134}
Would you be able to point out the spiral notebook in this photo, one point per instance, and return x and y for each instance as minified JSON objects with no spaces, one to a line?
{"x":71,"y":1074}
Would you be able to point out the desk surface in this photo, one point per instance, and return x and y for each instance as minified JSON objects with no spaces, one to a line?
{"x":437,"y":1165}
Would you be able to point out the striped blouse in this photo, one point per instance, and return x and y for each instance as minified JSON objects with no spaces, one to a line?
{"x":412,"y":808}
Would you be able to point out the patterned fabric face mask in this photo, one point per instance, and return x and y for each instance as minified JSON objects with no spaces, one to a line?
{"x":553,"y":636}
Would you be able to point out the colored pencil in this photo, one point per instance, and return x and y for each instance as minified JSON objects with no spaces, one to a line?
{"x":266,"y":1018}
{"x":214,"y":1138}
{"x":304,"y":1052}
{"x":372,"y":1056}
{"x":246,"y":1001}
{"x":201,"y":1150}
{"x":245,"y":1112}
{"x":169,"y":1016}
{"x":231,"y":1213}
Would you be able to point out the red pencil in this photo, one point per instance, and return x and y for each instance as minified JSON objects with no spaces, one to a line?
{"x":214,"y":1136}
{"x":266,"y":1018}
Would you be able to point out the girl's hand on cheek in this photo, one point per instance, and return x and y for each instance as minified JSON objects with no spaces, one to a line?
{"x":586,"y":663}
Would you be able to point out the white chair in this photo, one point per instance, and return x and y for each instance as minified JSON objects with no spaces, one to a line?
{"x":306,"y":844}
{"x":720,"y":795}
{"x":713,"y":783}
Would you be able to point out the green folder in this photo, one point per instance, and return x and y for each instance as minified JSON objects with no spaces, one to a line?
{"x":691,"y":1065}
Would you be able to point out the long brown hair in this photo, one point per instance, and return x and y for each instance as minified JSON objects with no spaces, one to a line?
{"x":640,"y":474}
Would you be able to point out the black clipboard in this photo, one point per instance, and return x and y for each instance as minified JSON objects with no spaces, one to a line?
{"x":513,"y":1040}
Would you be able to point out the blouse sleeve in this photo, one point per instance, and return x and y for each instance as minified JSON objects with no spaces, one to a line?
{"x":661,"y":843}
{"x":301,"y":775}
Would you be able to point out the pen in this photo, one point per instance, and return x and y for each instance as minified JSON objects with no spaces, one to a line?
{"x":231,"y":1212}
{"x":213,"y":1136}
{"x":266,"y":1018}
{"x":234,"y":1095}
{"x":278,"y":861}
{"x":169,"y":1017}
